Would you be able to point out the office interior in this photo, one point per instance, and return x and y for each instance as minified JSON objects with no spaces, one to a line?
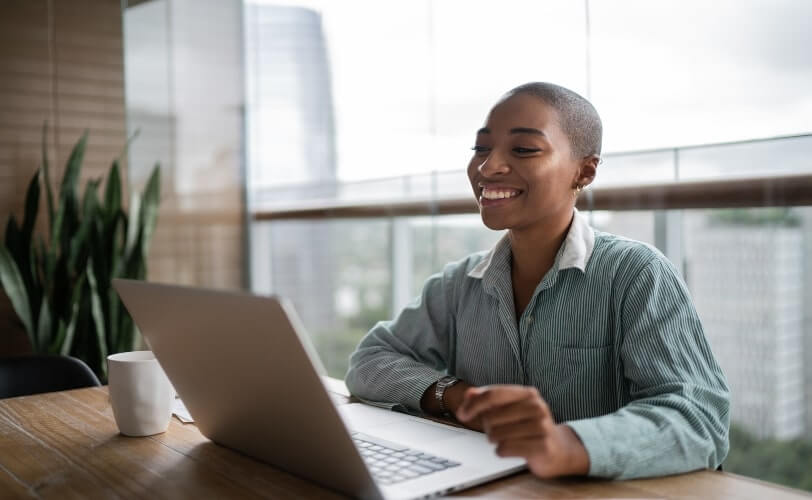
{"x":316,"y":150}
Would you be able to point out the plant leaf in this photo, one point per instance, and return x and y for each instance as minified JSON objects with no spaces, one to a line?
{"x":14,"y":288}
{"x":59,"y":339}
{"x":71,"y":177}
{"x":46,"y":176}
{"x":68,"y":194}
{"x":81,"y":243}
{"x":128,"y":334}
{"x":31,"y":209}
{"x":18,"y":249}
{"x":70,"y":330}
{"x":98,"y":316}
{"x":134,"y":265}
{"x":126,"y":147}
{"x":113,"y":311}
{"x":34,"y":264}
{"x":112,"y":192}
{"x":13,"y":238}
{"x":44,"y":324}
{"x":23,"y":254}
{"x":132,"y":224}
{"x":149,"y":208}
{"x":56,"y":228}
{"x":51,"y":254}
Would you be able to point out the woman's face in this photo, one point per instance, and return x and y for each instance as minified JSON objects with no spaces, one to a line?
{"x":522,"y":172}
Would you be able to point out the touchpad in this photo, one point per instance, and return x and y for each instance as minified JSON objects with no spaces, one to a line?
{"x":415,"y":432}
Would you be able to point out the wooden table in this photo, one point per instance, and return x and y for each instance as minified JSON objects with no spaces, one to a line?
{"x":66,"y":445}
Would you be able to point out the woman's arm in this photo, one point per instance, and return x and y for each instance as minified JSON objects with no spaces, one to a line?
{"x":679,"y":417}
{"x":398,"y":360}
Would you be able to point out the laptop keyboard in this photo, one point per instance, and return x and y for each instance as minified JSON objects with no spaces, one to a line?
{"x":391,"y":463}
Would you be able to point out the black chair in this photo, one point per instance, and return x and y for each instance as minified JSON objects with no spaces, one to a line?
{"x":23,"y":375}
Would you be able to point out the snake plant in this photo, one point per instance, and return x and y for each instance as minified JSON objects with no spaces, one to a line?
{"x":59,"y":282}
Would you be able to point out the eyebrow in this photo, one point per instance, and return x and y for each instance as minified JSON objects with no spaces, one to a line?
{"x":517,"y":130}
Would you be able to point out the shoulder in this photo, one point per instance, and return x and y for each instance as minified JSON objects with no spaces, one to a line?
{"x":625,"y":262}
{"x":624,"y":253}
{"x":453,"y":281}
{"x":460,"y":269}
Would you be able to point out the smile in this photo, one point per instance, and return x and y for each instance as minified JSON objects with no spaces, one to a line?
{"x":499,"y":193}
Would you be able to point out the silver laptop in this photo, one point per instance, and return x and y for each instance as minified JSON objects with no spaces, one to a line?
{"x":247,"y":373}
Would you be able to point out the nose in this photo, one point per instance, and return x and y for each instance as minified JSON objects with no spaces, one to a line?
{"x":494,"y":164}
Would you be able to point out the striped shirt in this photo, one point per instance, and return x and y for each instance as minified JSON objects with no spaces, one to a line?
{"x":610,"y":338}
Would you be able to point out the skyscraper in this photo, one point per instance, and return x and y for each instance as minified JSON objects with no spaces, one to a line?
{"x":291,"y":140}
{"x":747,"y":282}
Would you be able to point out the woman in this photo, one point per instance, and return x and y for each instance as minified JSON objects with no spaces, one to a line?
{"x":575,"y":349}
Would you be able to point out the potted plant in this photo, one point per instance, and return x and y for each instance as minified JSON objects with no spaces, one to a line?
{"x":59,"y":282}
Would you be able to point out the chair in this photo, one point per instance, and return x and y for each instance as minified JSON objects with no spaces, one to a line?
{"x":23,"y":375}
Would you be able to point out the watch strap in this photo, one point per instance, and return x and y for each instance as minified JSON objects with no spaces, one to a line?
{"x":439,"y":391}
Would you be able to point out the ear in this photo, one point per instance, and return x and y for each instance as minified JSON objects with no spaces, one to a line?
{"x":587,"y":170}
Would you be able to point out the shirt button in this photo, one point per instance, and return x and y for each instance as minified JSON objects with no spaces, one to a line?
{"x":529,"y":320}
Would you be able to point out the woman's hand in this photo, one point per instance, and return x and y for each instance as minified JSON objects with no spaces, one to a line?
{"x":520,"y":423}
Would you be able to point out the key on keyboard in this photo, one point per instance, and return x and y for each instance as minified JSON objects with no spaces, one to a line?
{"x":392,"y":463}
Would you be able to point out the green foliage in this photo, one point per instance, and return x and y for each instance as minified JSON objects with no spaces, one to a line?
{"x":784,"y":462}
{"x":767,"y":216}
{"x":60,"y":287}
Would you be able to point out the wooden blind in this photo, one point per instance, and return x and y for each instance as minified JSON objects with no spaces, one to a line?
{"x":60,"y":62}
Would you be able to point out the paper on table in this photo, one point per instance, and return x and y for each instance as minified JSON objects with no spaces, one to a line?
{"x":335,"y":386}
{"x":180,"y":411}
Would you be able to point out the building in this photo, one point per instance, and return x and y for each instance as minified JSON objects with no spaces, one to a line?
{"x":748,"y":287}
{"x":290,"y":139}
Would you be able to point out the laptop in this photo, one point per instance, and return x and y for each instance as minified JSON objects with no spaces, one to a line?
{"x":247,"y":373}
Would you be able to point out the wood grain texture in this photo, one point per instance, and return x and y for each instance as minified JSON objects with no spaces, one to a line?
{"x":66,"y":445}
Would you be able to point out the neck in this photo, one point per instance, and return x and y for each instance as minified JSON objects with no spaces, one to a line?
{"x":534,"y":249}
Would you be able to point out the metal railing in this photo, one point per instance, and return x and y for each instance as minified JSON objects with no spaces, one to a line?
{"x":426,"y":195}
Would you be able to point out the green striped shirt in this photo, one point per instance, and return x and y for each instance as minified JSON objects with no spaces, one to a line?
{"x":610,"y":339}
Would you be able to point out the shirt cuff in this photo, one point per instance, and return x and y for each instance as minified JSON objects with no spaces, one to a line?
{"x":600,"y":460}
{"x":416,"y":384}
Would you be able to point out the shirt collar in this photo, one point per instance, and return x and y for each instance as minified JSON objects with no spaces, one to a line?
{"x":575,"y":252}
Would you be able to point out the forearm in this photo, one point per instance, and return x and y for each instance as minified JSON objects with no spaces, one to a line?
{"x":397,"y":360}
{"x":678,"y":416}
{"x":649,"y":438}
{"x":389,"y":377}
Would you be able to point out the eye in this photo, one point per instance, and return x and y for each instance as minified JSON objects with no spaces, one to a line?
{"x":526,"y":151}
{"x":481,"y":150}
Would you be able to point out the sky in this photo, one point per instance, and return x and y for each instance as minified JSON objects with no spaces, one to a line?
{"x":412,"y":80}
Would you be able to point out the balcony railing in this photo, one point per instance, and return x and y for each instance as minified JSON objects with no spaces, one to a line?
{"x":759,"y":173}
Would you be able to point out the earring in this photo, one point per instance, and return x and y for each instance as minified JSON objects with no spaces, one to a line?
{"x":578,"y":189}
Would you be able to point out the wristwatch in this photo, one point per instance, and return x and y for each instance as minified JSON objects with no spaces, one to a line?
{"x":439,"y":391}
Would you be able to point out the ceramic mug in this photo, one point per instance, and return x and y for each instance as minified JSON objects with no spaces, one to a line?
{"x":140,"y":393}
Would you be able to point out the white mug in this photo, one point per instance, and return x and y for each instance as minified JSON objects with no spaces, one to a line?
{"x":140,"y":393}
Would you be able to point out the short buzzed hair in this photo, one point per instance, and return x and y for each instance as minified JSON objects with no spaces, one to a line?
{"x":579,"y":119}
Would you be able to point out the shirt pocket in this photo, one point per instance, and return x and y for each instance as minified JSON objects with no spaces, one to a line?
{"x":580,"y":382}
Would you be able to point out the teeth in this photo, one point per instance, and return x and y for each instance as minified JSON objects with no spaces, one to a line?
{"x":493,"y":194}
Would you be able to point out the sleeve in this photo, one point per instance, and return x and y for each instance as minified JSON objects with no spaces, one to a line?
{"x":398,"y":360}
{"x":678,"y":419}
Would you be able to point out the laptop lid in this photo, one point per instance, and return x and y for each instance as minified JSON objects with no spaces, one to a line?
{"x":245,"y":373}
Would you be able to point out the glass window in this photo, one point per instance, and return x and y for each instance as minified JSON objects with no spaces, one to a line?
{"x":674,"y":73}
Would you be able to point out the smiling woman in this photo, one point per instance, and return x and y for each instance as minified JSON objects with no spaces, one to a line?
{"x":539,"y":148}
{"x":500,"y":340}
